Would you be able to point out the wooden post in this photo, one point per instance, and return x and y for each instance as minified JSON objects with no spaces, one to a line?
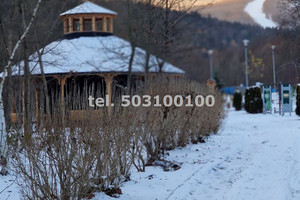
{"x":66,"y":25}
{"x":37,"y":106}
{"x":13,"y":115}
{"x":108,"y":82}
{"x":94,"y":23}
{"x":23,"y":100}
{"x":62,"y":81}
{"x":104,"y":25}
{"x":108,"y":78}
{"x":111,"y":26}
{"x":62,"y":97}
{"x":71,"y":28}
{"x":12,"y":106}
{"x":81,"y":23}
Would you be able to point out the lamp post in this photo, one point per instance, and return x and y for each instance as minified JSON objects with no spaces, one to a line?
{"x":274,"y":73}
{"x":246,"y":59}
{"x":210,"y":53}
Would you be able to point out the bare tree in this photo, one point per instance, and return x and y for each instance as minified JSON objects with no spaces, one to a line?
{"x":132,"y":36}
{"x":6,"y":49}
{"x":4,"y":148}
{"x":154,"y":25}
{"x":160,"y":28}
{"x":289,"y":16}
{"x":45,"y":87}
{"x":40,"y":51}
{"x":170,"y":28}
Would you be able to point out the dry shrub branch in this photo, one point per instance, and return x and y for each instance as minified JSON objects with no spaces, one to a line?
{"x":96,"y":152}
{"x":170,"y":127}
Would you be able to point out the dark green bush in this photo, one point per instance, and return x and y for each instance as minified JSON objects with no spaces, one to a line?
{"x":237,"y":101}
{"x":298,"y":101}
{"x":253,"y":100}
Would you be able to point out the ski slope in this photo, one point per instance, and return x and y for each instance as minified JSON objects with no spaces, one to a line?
{"x":255,"y":156}
{"x":255,"y":10}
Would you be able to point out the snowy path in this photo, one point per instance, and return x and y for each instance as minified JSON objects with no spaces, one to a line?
{"x":254,"y":157}
{"x":260,"y":160}
{"x":255,"y":10}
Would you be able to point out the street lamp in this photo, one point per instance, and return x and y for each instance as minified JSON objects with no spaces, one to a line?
{"x":246,"y":60}
{"x":274,"y":77}
{"x":210,"y":53}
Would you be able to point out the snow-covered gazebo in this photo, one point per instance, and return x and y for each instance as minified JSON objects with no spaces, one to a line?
{"x":88,"y":17}
{"x":89,"y":49}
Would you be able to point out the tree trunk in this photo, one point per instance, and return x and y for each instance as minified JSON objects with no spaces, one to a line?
{"x":132,"y":41}
{"x":3,"y":134}
{"x":28,"y":117}
{"x":45,"y":87}
{"x":129,"y":77}
{"x":147,"y":68}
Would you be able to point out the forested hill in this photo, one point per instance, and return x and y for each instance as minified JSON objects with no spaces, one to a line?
{"x":188,"y":51}
{"x":227,"y":40}
{"x":213,"y":33}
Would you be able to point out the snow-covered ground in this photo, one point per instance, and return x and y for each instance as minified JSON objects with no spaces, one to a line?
{"x":255,"y":156}
{"x":255,"y":10}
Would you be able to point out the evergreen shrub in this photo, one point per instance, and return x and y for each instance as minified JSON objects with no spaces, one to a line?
{"x":253,"y":100}
{"x":298,"y":100}
{"x":237,"y":101}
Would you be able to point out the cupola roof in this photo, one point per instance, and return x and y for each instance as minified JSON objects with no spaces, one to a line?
{"x":88,"y":8}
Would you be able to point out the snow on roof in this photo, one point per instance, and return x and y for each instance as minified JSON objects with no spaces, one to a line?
{"x":88,"y":7}
{"x":93,"y":54}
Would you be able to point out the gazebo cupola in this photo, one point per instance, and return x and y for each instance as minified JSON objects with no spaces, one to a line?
{"x":88,"y":17}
